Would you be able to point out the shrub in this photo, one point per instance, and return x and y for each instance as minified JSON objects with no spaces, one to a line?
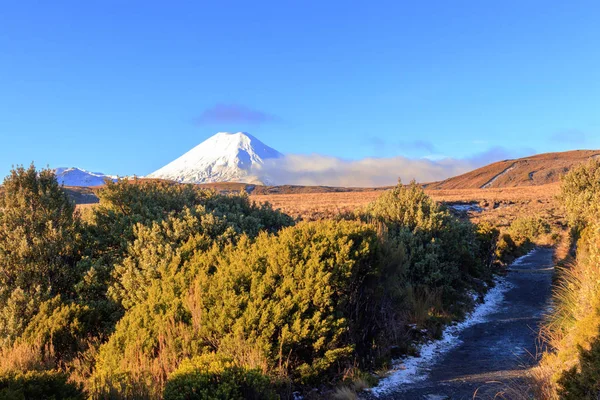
{"x":59,"y":326}
{"x":141,"y":226}
{"x":126,"y":204}
{"x":39,"y":246}
{"x":109,"y":232}
{"x":44,"y":385}
{"x":507,"y":250}
{"x":580,"y":191}
{"x":582,"y":381}
{"x":152,"y":282}
{"x":442,"y":251}
{"x":163,"y":248}
{"x":410,"y":208}
{"x":307,"y":297}
{"x":301,"y":302}
{"x":209,"y":377}
{"x":488,"y":241}
{"x":528,"y":229}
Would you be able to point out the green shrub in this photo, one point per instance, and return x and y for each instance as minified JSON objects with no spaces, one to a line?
{"x":521,"y":237}
{"x":210,"y":377}
{"x":109,"y":232}
{"x":582,"y":381}
{"x":39,"y":246}
{"x":443,"y":252}
{"x":164,"y":248}
{"x":301,"y":302}
{"x":410,"y":208}
{"x":127,"y":204}
{"x":488,"y":240}
{"x":44,"y":385}
{"x":580,"y":193}
{"x":153,"y":280}
{"x":59,"y":326}
{"x":528,"y":229}
{"x":308,"y":297}
{"x":139,"y":227}
{"x":507,"y":250}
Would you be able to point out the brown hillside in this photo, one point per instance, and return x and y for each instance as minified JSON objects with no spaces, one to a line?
{"x":536,"y":170}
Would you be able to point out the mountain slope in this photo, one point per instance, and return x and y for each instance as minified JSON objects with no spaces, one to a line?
{"x":224,"y":157}
{"x":80,"y":177}
{"x":536,"y":170}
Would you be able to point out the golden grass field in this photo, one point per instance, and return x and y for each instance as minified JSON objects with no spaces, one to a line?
{"x":499,"y":205}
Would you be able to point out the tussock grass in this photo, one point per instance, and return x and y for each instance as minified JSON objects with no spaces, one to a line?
{"x":345,"y":393}
{"x":575,"y":318}
{"x":23,"y":356}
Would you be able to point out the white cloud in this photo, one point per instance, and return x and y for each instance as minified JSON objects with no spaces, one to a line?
{"x":331,"y":171}
{"x":323,"y":170}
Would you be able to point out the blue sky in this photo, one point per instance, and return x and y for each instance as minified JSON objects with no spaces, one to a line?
{"x":126,"y":86}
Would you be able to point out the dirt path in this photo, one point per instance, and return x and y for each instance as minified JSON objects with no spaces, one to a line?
{"x":493,"y":352}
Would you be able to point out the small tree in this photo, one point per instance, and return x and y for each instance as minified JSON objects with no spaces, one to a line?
{"x":441,"y":249}
{"x":580,"y":193}
{"x":38,"y":245}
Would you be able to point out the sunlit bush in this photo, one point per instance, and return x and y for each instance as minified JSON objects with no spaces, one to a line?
{"x":528,"y":229}
{"x":210,"y":377}
{"x":38,"y":385}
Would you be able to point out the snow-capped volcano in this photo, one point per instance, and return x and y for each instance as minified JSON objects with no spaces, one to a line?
{"x":80,"y":177}
{"x":224,"y":157}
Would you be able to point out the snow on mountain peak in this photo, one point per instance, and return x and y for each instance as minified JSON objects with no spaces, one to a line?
{"x":224,"y":157}
{"x":80,"y":177}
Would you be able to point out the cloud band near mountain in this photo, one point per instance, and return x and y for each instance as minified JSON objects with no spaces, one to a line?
{"x":331,"y":171}
{"x":322,"y":170}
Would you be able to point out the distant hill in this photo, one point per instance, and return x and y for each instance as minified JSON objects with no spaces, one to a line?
{"x":536,"y":170}
{"x":82,"y":195}
{"x":80,"y":177}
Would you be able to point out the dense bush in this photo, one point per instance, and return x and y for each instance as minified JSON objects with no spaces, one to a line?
{"x":304,"y":303}
{"x":45,"y":385}
{"x":168,"y":245}
{"x":582,"y":382}
{"x":522,"y":235}
{"x":580,"y":193}
{"x":297,"y":303}
{"x":59,"y":326}
{"x":528,"y":229}
{"x":209,"y":377}
{"x":507,"y":250}
{"x":306,"y":298}
{"x":39,"y":247}
{"x":443,"y":252}
{"x":153,"y":278}
{"x":488,"y":237}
